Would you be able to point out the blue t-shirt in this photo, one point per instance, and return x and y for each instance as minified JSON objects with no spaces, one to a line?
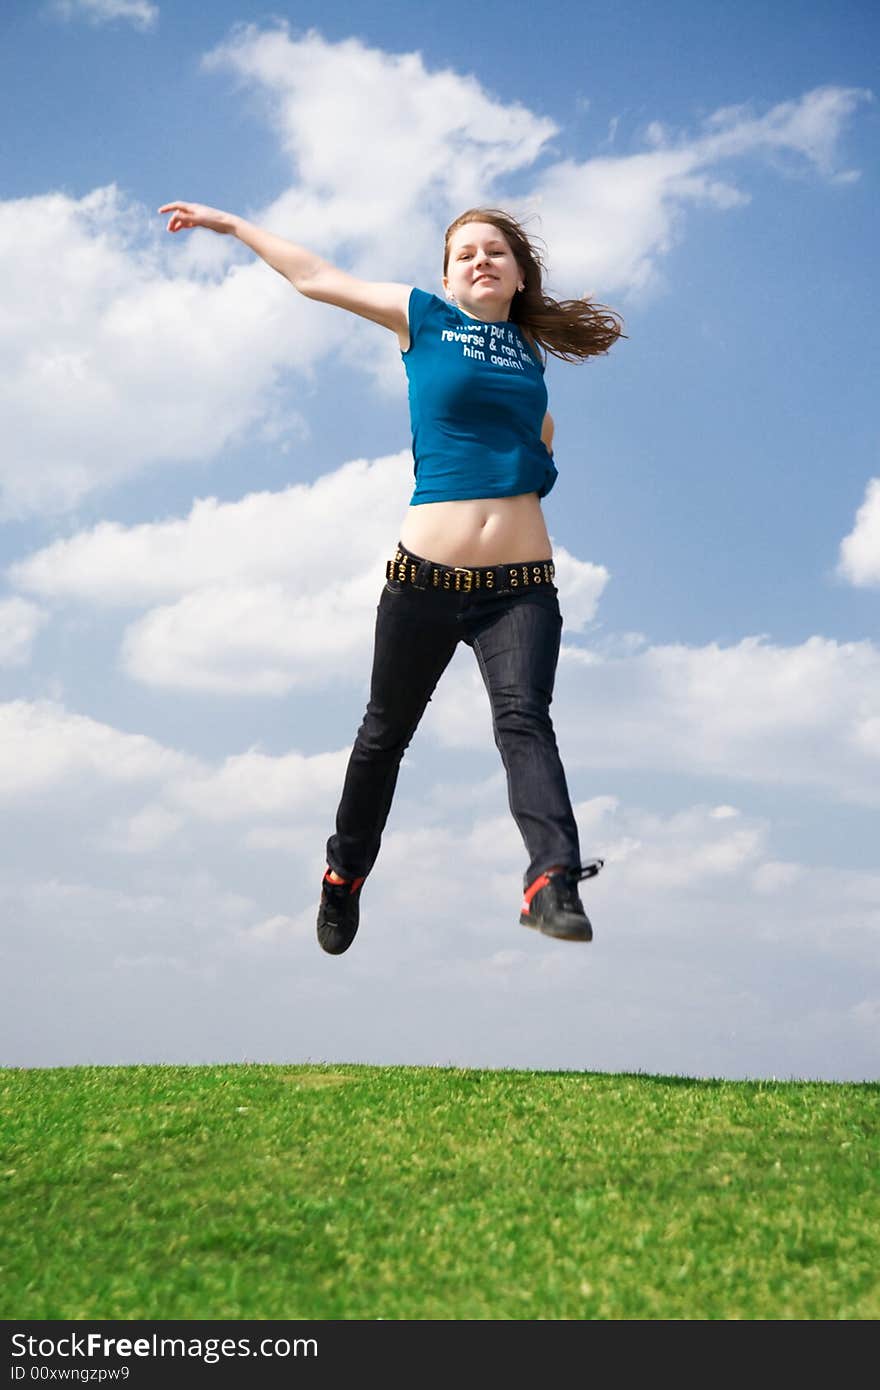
{"x":477,"y":401}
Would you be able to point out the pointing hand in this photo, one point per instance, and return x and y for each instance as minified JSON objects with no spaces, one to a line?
{"x":197,"y":215}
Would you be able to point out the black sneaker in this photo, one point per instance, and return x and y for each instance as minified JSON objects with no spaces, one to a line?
{"x":338,"y":914}
{"x":552,"y":903}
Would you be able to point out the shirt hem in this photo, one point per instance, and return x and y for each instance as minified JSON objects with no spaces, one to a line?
{"x":473,"y":496}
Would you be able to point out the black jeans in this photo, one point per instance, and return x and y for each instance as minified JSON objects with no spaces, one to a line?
{"x":515,"y":634}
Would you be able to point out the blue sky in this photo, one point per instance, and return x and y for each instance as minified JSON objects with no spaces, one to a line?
{"x":187,"y":439}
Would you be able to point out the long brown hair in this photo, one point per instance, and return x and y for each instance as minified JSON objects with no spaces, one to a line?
{"x":572,"y":329}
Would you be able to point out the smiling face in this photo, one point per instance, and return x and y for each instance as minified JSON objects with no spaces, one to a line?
{"x":481,"y":272}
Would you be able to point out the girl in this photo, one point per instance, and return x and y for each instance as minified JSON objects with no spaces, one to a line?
{"x":473,"y":562}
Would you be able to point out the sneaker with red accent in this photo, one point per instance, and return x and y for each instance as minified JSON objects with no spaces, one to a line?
{"x":552,"y":904}
{"x":338,"y":914}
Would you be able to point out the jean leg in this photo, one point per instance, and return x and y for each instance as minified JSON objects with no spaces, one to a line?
{"x":517,"y":648}
{"x":414,"y":642}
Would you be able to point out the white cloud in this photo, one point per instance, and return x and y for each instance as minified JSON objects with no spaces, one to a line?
{"x":807,"y":715}
{"x":124,"y":349}
{"x":140,"y":13}
{"x":45,"y":747}
{"x":273,"y":838}
{"x":111,"y":365}
{"x":264,"y":538}
{"x":279,"y":929}
{"x":212,"y":956}
{"x":249,"y":612}
{"x":250,"y":608}
{"x":20,"y":622}
{"x":581,"y":584}
{"x":346,"y":113}
{"x":260,"y":640}
{"x":255,"y":785}
{"x":145,"y":831}
{"x":273,"y":637}
{"x":633,"y":207}
{"x":188,"y":923}
{"x":452,"y":148}
{"x":656,"y":853}
{"x":775,"y":876}
{"x":42,"y":744}
{"x":810,"y":127}
{"x":699,"y":936}
{"x":860,"y":550}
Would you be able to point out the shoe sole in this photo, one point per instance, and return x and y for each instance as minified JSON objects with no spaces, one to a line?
{"x":575,"y":934}
{"x":334,"y":950}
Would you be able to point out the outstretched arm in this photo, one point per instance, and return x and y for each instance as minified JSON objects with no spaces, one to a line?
{"x":384,"y":303}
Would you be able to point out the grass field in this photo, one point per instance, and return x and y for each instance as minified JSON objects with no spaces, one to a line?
{"x":409,"y":1193}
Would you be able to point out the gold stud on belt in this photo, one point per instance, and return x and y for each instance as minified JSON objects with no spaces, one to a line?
{"x":468,"y":579}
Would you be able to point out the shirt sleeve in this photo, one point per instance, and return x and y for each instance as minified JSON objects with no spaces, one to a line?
{"x":420,"y":305}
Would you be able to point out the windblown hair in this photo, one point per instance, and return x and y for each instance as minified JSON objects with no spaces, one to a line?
{"x":572,"y":329}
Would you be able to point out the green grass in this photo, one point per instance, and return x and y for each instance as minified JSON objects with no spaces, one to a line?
{"x":407,"y":1192}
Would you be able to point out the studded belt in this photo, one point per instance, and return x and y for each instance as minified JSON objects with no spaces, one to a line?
{"x":407,"y":568}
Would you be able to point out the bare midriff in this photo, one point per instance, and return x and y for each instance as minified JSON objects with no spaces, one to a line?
{"x":478,"y":531}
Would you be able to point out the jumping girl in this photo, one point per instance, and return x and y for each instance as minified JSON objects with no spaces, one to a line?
{"x":473,"y":562}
